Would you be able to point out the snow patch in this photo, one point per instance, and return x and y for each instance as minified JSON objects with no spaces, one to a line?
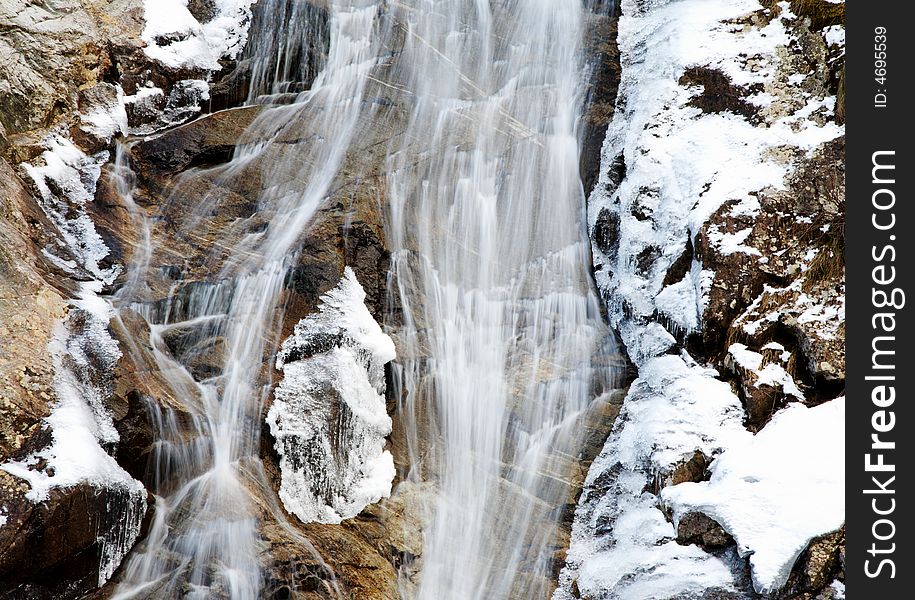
{"x":176,"y":39}
{"x":772,"y":374}
{"x":835,"y":35}
{"x":777,"y":490}
{"x":672,"y":410}
{"x":329,"y":419}
{"x":84,"y":356}
{"x":66,"y":178}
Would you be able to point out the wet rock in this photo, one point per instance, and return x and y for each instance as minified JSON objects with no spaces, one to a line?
{"x":601,"y":46}
{"x":607,"y":231}
{"x":54,"y":549}
{"x":207,"y":141}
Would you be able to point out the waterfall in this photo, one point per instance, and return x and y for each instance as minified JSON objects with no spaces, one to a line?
{"x":503,"y":352}
{"x":502,"y":347}
{"x":204,"y":540}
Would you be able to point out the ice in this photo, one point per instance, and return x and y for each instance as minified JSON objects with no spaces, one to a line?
{"x":84,"y":356}
{"x":329,"y":418}
{"x":65,"y":178}
{"x":622,"y":545}
{"x":672,"y":410}
{"x":83,"y":353}
{"x":107,"y":120}
{"x":176,"y":39}
{"x":682,"y":302}
{"x":682,"y":164}
{"x":775,"y":491}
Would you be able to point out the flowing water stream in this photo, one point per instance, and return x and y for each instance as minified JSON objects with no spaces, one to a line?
{"x":502,"y":346}
{"x":502,"y":340}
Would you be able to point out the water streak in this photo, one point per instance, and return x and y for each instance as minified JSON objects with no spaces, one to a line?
{"x":501,"y":341}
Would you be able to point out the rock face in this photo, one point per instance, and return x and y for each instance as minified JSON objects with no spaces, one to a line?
{"x":736,"y":285}
{"x":73,"y":75}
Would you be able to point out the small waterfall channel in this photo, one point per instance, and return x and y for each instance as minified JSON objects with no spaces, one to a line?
{"x":502,"y":349}
{"x":204,"y":539}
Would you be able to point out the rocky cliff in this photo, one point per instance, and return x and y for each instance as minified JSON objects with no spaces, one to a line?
{"x":716,"y":225}
{"x":717,"y":228}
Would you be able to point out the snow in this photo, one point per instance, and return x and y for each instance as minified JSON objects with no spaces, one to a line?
{"x":72,"y":175}
{"x":672,"y":410}
{"x":84,"y":356}
{"x":329,"y":418}
{"x":835,"y":35}
{"x":83,"y":353}
{"x":107,"y":120}
{"x":681,"y":166}
{"x":821,"y":313}
{"x":155,"y":111}
{"x":772,"y":375}
{"x":79,"y":421}
{"x":176,"y":39}
{"x":729,"y":243}
{"x":775,"y":491}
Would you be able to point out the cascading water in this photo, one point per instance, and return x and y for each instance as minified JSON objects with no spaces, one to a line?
{"x":502,"y":347}
{"x":204,"y":540}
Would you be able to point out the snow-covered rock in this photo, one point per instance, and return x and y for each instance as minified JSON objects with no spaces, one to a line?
{"x":329,"y":419}
{"x":776,"y":490}
{"x":715,"y":181}
{"x":622,"y":545}
{"x":177,"y":39}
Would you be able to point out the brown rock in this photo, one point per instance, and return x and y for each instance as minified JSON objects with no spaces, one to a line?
{"x":697,"y":528}
{"x":601,"y":46}
{"x":822,"y":562}
{"x":53,"y":549}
